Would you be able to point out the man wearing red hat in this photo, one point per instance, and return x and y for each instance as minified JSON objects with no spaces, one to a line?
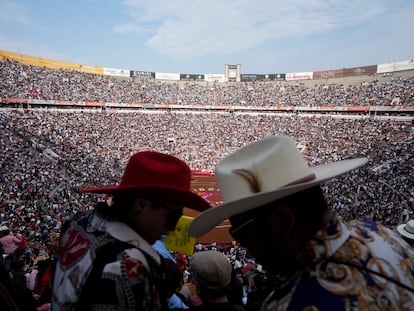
{"x":105,"y":258}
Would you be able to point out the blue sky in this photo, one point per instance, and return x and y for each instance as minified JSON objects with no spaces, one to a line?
{"x":201,"y":36}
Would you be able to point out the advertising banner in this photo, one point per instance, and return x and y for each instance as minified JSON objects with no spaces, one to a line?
{"x":262,"y":77}
{"x":143,"y":74}
{"x":299,"y":76}
{"x":280,"y":76}
{"x":116,"y":72}
{"x":191,"y":77}
{"x":214,"y":77}
{"x":396,"y":66}
{"x":167,"y":76}
{"x":252,"y":77}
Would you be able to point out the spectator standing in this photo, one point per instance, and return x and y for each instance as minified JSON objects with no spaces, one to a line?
{"x":43,"y":282}
{"x":105,"y":256}
{"x":31,"y":277}
{"x":278,"y":212}
{"x":9,"y":242}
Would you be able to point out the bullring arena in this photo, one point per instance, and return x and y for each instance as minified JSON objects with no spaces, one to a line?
{"x":103,"y":119}
{"x":205,"y":185}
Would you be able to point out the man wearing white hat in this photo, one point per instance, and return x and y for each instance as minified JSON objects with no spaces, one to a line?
{"x":277,"y":210}
{"x":407,"y":231}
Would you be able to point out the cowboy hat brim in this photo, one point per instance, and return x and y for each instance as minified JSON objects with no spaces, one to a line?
{"x":208,"y":219}
{"x":174,"y":195}
{"x":405,"y":233}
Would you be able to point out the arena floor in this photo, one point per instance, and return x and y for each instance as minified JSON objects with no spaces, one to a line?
{"x":206,"y":187}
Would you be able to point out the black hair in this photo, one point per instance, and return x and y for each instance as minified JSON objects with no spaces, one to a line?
{"x":119,"y":210}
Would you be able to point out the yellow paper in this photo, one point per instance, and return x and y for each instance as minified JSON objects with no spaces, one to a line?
{"x":179,"y":239}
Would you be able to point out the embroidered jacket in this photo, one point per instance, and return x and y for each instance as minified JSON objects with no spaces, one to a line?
{"x":359,"y":265}
{"x":105,"y":265}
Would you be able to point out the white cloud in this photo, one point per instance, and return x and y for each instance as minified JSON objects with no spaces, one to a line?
{"x":129,"y":27}
{"x":190,"y":29}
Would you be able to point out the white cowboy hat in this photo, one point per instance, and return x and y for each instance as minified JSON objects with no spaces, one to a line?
{"x":4,"y":228}
{"x":407,"y":230}
{"x":277,"y":169}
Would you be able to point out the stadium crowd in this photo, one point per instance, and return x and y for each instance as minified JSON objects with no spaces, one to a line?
{"x":31,"y":82}
{"x":47,"y":155}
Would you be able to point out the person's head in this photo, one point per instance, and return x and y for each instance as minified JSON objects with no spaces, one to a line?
{"x":149,"y":216}
{"x":211,"y":273}
{"x":407,"y":231}
{"x":150,"y":198}
{"x":276,"y":232}
{"x":273,"y":199}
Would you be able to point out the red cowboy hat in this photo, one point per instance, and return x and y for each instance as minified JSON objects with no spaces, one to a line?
{"x":157,"y":174}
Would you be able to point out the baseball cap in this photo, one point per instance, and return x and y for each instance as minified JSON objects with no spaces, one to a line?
{"x":210,"y":269}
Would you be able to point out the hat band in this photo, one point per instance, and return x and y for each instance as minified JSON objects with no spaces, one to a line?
{"x":302,"y":180}
{"x":411,"y":231}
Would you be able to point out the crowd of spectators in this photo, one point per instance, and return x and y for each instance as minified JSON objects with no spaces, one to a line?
{"x":31,"y":82}
{"x":46,"y":155}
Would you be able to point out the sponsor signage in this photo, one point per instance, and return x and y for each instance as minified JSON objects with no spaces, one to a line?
{"x":251,"y":77}
{"x":167,"y":76}
{"x":191,"y":77}
{"x":280,"y":76}
{"x":262,"y":77}
{"x":143,"y":74}
{"x":214,"y":77}
{"x":299,"y":76}
{"x":116,"y":72}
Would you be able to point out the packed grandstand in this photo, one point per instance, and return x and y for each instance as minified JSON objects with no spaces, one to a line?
{"x":62,"y":129}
